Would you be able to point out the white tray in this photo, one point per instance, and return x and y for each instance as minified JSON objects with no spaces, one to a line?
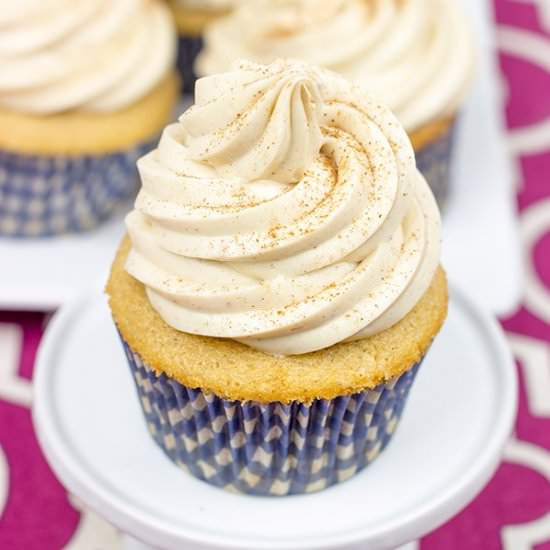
{"x":480,"y":237}
{"x":42,"y":274}
{"x":481,"y":247}
{"x":89,"y":424}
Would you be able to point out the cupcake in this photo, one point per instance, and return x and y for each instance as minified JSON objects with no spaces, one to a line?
{"x":192,"y":17}
{"x":84,"y":93}
{"x":280,"y":284}
{"x":415,"y":55}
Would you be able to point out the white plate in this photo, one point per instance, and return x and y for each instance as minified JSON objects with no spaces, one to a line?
{"x":480,"y":237}
{"x":90,"y":426}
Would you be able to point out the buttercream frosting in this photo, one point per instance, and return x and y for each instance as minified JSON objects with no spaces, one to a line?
{"x":101,"y":55}
{"x":283,"y":210}
{"x":416,"y":55}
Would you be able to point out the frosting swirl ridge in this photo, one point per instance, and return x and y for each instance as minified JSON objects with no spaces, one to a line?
{"x":302,"y":225}
{"x":281,"y":121}
{"x":416,"y":55}
{"x":57,"y":55}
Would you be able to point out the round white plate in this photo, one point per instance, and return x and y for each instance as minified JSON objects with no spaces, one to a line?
{"x":90,"y":426}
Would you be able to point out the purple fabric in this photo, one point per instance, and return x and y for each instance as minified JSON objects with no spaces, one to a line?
{"x":512,"y":512}
{"x":36,"y":514}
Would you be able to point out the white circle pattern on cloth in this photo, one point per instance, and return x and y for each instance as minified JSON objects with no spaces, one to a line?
{"x":284,"y":210}
{"x":416,"y":55}
{"x":102,"y":56}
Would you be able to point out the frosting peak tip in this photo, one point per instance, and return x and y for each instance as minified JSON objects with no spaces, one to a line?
{"x":257,"y":121}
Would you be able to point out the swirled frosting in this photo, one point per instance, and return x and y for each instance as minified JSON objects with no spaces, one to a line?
{"x":284,"y":210}
{"x":416,"y":55}
{"x":101,"y":55}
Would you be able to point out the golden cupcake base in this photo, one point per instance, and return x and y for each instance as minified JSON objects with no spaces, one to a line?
{"x":429,"y":133}
{"x":231,"y":370}
{"x":192,"y":22}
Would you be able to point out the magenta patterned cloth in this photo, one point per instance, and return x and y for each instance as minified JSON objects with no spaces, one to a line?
{"x":513,"y":512}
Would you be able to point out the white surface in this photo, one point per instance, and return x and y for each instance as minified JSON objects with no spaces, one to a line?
{"x":42,"y":274}
{"x":481,"y":248}
{"x":480,"y":238}
{"x":87,"y":418}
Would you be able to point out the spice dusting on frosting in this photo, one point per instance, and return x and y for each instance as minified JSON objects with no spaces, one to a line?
{"x":283,"y":210}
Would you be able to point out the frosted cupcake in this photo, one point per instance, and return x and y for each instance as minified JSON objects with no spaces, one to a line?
{"x":280,"y":285}
{"x":415,"y":55}
{"x":192,"y":17}
{"x":84,"y":92}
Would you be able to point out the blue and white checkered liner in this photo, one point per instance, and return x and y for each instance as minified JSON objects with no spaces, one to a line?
{"x":188,"y":50}
{"x":434,"y":161}
{"x":268,"y":449}
{"x":43,"y":196}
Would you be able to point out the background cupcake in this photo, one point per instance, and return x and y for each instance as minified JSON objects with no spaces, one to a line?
{"x":83,"y":92}
{"x":415,"y":55}
{"x":280,"y":286}
{"x":192,"y":17}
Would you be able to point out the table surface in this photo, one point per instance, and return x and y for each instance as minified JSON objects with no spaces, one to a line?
{"x":513,"y":512}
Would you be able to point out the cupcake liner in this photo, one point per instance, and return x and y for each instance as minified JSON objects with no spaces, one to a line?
{"x":268,"y":449}
{"x":42,"y":196}
{"x":188,"y":49}
{"x":434,"y":162}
